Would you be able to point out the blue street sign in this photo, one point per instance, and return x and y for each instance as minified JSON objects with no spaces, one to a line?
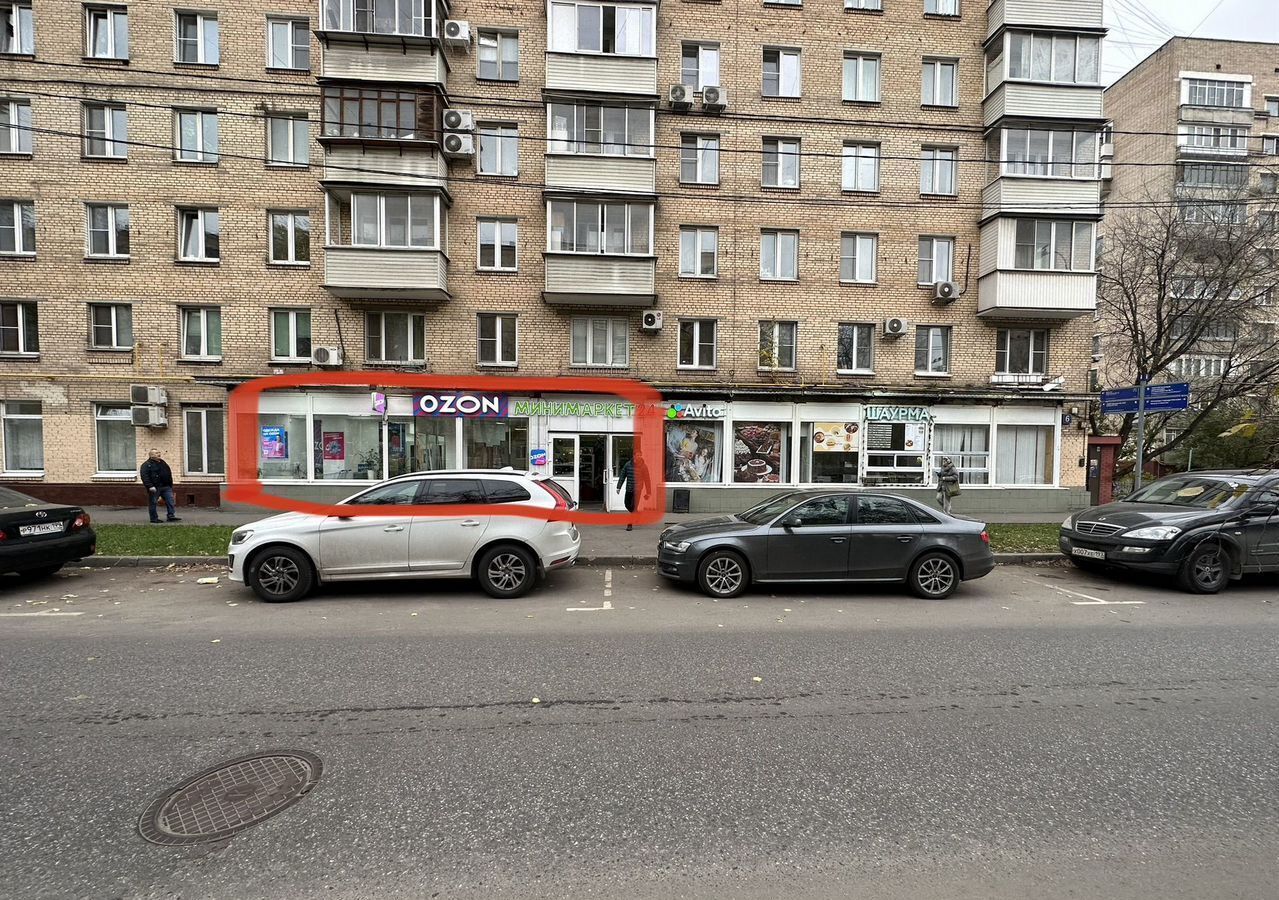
{"x":1118,"y":394}
{"x":1167,"y":404}
{"x":1178,"y":389}
{"x":1118,"y":407}
{"x":1159,"y":398}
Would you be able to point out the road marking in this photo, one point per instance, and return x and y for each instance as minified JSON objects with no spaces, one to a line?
{"x":1088,"y":599}
{"x":43,"y":612}
{"x":608,"y":582}
{"x":608,"y":604}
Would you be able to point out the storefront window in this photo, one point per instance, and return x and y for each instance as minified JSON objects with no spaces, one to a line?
{"x":760,"y":452}
{"x":282,"y":447}
{"x":347,"y":447}
{"x":494,"y":445}
{"x":968,"y":447}
{"x":1025,"y":454}
{"x":693,"y":452}
{"x":829,"y":452}
{"x":895,"y":452}
{"x":420,"y":444}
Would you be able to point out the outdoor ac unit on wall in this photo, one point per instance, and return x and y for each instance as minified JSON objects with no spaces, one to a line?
{"x":651,"y":320}
{"x":459,"y":120}
{"x":457,"y":34}
{"x":150,"y":417}
{"x":679,"y":96}
{"x":326,"y":356}
{"x":895,"y":327}
{"x":714,"y":98}
{"x":148,"y":394}
{"x":458,"y":146}
{"x":946,"y":291}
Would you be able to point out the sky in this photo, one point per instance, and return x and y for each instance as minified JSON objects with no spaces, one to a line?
{"x":1139,"y":27}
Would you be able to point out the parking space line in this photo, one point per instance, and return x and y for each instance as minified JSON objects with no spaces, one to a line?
{"x":1090,"y":600}
{"x":43,"y":612}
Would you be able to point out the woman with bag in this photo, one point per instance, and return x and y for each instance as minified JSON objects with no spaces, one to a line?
{"x":947,"y":484}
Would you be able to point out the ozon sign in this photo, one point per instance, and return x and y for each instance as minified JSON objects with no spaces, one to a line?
{"x":461,"y":406}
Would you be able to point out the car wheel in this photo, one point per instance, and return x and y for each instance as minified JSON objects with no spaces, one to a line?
{"x":506,"y":572}
{"x":723,"y":574}
{"x":934,"y":576}
{"x":281,"y":575}
{"x":1206,"y":570}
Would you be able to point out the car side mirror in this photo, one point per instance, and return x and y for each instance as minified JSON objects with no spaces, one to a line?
{"x":791,"y":522}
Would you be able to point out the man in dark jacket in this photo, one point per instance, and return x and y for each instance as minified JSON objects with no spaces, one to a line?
{"x":157,"y":478}
{"x":633,"y":476}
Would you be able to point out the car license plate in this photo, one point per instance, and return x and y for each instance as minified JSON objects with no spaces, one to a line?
{"x":45,"y":528}
{"x":1086,"y":553}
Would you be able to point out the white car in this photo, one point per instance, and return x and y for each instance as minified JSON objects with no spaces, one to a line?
{"x":283,"y":557}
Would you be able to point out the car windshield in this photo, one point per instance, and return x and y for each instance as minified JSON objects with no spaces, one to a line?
{"x":771,"y":508}
{"x":13,"y":498}
{"x":1194,"y":491}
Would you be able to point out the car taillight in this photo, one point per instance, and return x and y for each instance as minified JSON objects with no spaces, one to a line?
{"x":561,"y":502}
{"x":985,"y":536}
{"x":81,"y":521}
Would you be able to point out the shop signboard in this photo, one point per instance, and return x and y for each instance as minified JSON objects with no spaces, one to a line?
{"x":898,"y":414}
{"x":537,"y":456}
{"x":835,"y":437}
{"x":459,"y":405}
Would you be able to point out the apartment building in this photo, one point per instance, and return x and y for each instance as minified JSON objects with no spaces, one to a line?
{"x":842,"y":238}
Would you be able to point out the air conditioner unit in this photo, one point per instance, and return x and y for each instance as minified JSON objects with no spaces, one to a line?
{"x":457,"y":34}
{"x":714,"y":98}
{"x":651,"y":320}
{"x":326,"y":356}
{"x":148,"y":394}
{"x":459,"y":120}
{"x":678,"y":96}
{"x":895,"y":327}
{"x":459,"y":145}
{"x":946,"y":291}
{"x":150,"y":417}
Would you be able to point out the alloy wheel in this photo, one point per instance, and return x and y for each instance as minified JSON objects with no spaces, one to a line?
{"x":1208,"y":569}
{"x":936,"y":576}
{"x":724,"y":575}
{"x":278,"y":575}
{"x":507,"y":572}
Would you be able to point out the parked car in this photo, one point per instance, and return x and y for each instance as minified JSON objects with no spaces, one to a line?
{"x":38,"y":538}
{"x":1204,"y":528}
{"x":828,"y":535}
{"x":283,"y":557}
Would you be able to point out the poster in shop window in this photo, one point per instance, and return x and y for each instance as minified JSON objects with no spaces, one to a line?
{"x":334,"y":443}
{"x":835,"y":437}
{"x":275,"y":442}
{"x":692,"y":453}
{"x":757,"y":453}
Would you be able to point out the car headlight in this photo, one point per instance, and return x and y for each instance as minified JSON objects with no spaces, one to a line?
{"x":239,"y":537}
{"x":675,"y":546}
{"x":1069,"y":523}
{"x":1154,"y":533}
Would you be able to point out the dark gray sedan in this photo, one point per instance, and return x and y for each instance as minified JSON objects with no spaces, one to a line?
{"x":825,"y":535}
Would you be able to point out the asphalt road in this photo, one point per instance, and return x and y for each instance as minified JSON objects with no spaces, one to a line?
{"x":1042,"y":733}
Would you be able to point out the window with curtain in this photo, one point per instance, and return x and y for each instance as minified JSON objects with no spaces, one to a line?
{"x":968,"y":447}
{"x":1024,"y":454}
{"x":23,"y":436}
{"x":116,"y":438}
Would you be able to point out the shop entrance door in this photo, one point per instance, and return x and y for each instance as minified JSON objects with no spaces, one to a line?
{"x":564,"y":453}
{"x":592,"y":469}
{"x":621,"y":447}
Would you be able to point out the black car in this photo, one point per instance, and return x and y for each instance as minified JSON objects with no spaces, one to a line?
{"x":1204,"y":528}
{"x":825,"y":535}
{"x":38,"y":538}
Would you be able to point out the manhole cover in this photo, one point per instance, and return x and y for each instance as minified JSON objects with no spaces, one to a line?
{"x":229,"y":797}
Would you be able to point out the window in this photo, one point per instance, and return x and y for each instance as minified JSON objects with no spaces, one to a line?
{"x":1272,"y":106}
{"x":777,"y":344}
{"x":288,"y":140}
{"x":855,"y":350}
{"x":932,"y":350}
{"x":600,"y":342}
{"x":454,"y":490}
{"x":699,"y":66}
{"x":204,"y":447}
{"x":781,"y":162}
{"x":1053,"y":244}
{"x":1269,"y":183}
{"x":201,"y":332}
{"x":497,"y":56}
{"x":110,"y":326}
{"x":696,"y":343}
{"x":108,"y":229}
{"x":197,"y":136}
{"x":498,"y":339}
{"x":861,"y":77}
{"x":857,"y":257}
{"x":404,"y":17}
{"x":937,"y":170}
{"x":614,"y":130}
{"x":288,"y":44}
{"x":968,"y":447}
{"x":105,"y":131}
{"x":1021,"y":351}
{"x":198,"y":235}
{"x":1186,"y":326}
{"x":1199,"y":213}
{"x":15,"y":126}
{"x":19,"y":328}
{"x":861,"y":167}
{"x":394,"y":220}
{"x":781,"y":72}
{"x":941,"y":7}
{"x":291,"y":335}
{"x":699,"y":159}
{"x":936,"y":260}
{"x":1210,"y":92}
{"x":1023,"y":454}
{"x":290,"y":237}
{"x":17,"y":28}
{"x":497,"y":491}
{"x":499,"y":149}
{"x":867,"y":5}
{"x":371,"y":113}
{"x":824,"y":511}
{"x":1212,"y":175}
{"x":939,"y":83}
{"x":1270,"y":146}
{"x":497,"y":244}
{"x":1065,"y":58}
{"x":23,"y":436}
{"x":590,"y":227}
{"x":623,"y":30}
{"x":115,"y":439}
{"x":1043,"y":153}
{"x":1199,"y":367}
{"x":197,"y":38}
{"x":17,"y":227}
{"x":395,"y":337}
{"x":779,"y":255}
{"x":1213,"y":137}
{"x":883,"y":511}
{"x":106,"y":32}
{"x":698,"y":251}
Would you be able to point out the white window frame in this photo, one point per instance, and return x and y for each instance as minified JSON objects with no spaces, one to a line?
{"x":587,"y":138}
{"x":500,"y":225}
{"x":115,"y":118}
{"x":24,"y":33}
{"x":947,"y":8}
{"x":780,"y":154}
{"x":603,"y":216}
{"x":294,"y":48}
{"x":113,"y":227}
{"x":413,"y":200}
{"x":865,"y":245}
{"x":500,"y":38}
{"x":1217,"y":139}
{"x":931,"y":76}
{"x":934,"y":161}
{"x":796,"y":57}
{"x":1213,"y":86}
{"x":1082,"y":237}
{"x":291,"y":159}
{"x":1037,"y":362}
{"x":700,"y":235}
{"x":20,"y":247}
{"x":108,"y":15}
{"x":112,"y":412}
{"x":340,"y":15}
{"x":205,"y":314}
{"x":615,"y":324}
{"x":1077,"y":165}
{"x":777,"y":327}
{"x":1054,"y":77}
{"x":206,"y":126}
{"x":705,"y":52}
{"x":697,"y":327}
{"x":201,"y":414}
{"x":854,"y":77}
{"x":862,"y":328}
{"x":202,"y":19}
{"x":934,"y":242}
{"x":775,"y":235}
{"x":7,"y":416}
{"x":291,"y":217}
{"x":857,"y":156}
{"x":16,"y":131}
{"x":1270,"y":145}
{"x":501,"y":323}
{"x":292,"y":315}
{"x":697,"y":145}
{"x":415,"y":323}
{"x":27,"y":317}
{"x":506,"y":137}
{"x":200,"y":222}
{"x":934,"y":336}
{"x":563,"y":18}
{"x":121,"y":316}
{"x":864,"y":5}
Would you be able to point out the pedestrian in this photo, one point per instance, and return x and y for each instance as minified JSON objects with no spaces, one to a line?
{"x":947,"y":484}
{"x":634,"y":476}
{"x":157,"y":478}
